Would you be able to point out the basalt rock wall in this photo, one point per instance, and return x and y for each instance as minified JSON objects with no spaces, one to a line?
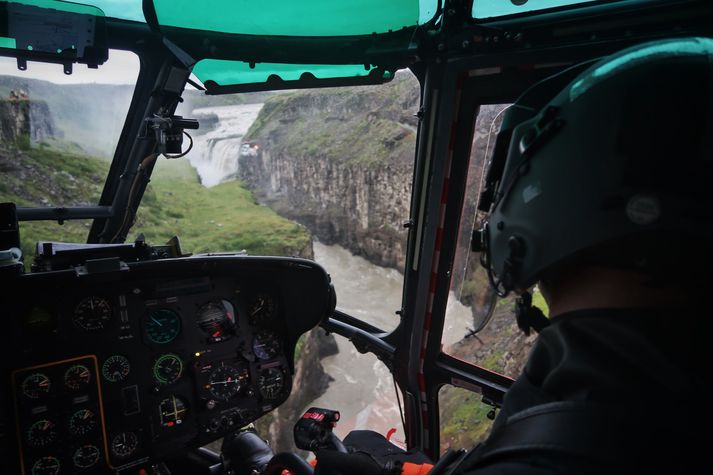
{"x":23,"y":122}
{"x":340,"y":162}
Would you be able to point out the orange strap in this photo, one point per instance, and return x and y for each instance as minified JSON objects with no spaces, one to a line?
{"x":416,"y":469}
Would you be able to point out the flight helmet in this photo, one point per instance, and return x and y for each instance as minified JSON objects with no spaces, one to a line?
{"x":622,"y":153}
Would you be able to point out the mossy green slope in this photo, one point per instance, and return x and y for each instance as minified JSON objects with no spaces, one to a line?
{"x":223,"y":218}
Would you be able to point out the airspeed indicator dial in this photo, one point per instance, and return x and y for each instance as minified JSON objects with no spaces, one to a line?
{"x":162,"y":326}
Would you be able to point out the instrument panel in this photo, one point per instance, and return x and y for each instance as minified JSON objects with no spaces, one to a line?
{"x":114,"y":370}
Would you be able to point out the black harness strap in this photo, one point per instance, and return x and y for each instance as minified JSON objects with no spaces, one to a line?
{"x":596,"y":435}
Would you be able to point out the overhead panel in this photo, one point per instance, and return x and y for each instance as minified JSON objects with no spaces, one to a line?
{"x":483,"y":9}
{"x":222,"y":77}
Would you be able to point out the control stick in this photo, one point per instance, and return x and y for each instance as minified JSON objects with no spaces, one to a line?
{"x":314,"y":430}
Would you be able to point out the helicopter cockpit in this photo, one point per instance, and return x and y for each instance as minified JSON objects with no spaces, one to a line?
{"x":121,"y":355}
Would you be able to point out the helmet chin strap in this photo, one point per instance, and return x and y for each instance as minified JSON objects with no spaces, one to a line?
{"x":528,"y":316}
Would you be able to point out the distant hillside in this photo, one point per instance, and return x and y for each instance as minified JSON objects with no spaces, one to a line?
{"x":90,"y":115}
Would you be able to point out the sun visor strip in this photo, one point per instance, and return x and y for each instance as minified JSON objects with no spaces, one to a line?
{"x":350,"y":43}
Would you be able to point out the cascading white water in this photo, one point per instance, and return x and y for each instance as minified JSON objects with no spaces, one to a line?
{"x":215,"y":153}
{"x":363,"y":389}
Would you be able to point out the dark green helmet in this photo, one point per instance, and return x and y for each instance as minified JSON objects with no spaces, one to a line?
{"x":624,"y":152}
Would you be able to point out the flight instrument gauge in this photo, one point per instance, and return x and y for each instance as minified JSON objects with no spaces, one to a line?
{"x":266,"y":345}
{"x":46,"y":466}
{"x":77,"y":377}
{"x":42,"y":433}
{"x":167,"y":368}
{"x":271,"y":382}
{"x":226,"y":381}
{"x":217,"y":320}
{"x":262,"y":309}
{"x":82,"y":422}
{"x":36,"y":385}
{"x":172,"y":410}
{"x":116,"y":368}
{"x":92,"y":314}
{"x":86,"y":456}
{"x":124,"y":444}
{"x":162,"y":326}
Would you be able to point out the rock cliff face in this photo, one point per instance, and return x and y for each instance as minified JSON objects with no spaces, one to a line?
{"x":339,"y":161}
{"x":23,"y":122}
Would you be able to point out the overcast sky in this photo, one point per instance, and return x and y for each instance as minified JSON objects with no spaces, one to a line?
{"x":121,"y":68}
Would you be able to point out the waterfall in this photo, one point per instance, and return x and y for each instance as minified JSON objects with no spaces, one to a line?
{"x":215,"y":153}
{"x":362,"y":388}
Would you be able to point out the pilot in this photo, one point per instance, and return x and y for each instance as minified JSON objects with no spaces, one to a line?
{"x":605,"y":203}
